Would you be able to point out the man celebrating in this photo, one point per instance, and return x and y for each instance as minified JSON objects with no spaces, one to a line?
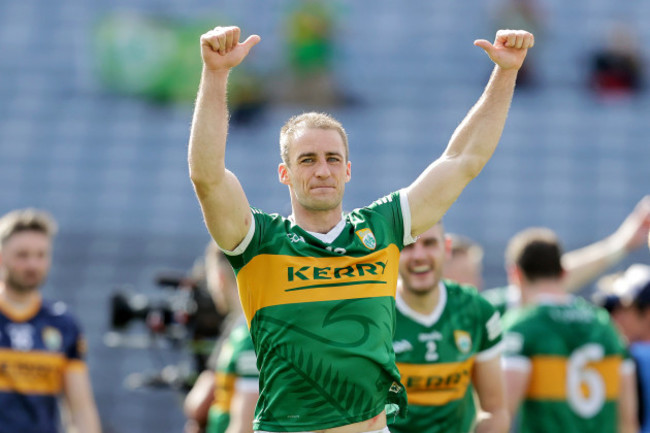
{"x":317,"y":288}
{"x":41,"y":346}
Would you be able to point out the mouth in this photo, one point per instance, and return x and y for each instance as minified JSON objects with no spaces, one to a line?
{"x":420,"y":269}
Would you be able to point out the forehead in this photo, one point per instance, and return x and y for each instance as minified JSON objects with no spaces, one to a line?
{"x":27,"y":239}
{"x":435,"y":232}
{"x":316,"y":140}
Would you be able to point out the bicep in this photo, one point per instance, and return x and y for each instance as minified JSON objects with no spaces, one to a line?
{"x":226,"y":210}
{"x":434,"y":191}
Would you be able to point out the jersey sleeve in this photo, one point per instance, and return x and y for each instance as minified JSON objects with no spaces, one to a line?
{"x":492,"y":333}
{"x":74,"y":342}
{"x":244,"y":359}
{"x":394,"y":208}
{"x":518,"y":343}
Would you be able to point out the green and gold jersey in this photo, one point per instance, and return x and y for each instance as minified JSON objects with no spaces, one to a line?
{"x":236,"y":370}
{"x":574,"y":356}
{"x":503,"y":298}
{"x":435,"y":355}
{"x":321,"y":310}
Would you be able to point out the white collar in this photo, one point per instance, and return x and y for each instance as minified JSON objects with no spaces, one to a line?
{"x":427,"y":320}
{"x":328,"y":237}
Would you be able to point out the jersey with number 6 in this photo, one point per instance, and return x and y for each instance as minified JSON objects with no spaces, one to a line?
{"x":436,"y":354}
{"x":574,"y":357}
{"x":321,"y":311}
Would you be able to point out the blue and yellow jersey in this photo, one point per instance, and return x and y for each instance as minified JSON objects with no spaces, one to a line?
{"x":36,"y":348}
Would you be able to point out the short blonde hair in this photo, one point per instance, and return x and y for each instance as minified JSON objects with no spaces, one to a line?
{"x":311,"y":120}
{"x":29,"y":219}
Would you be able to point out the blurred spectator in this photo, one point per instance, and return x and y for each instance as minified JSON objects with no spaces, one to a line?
{"x":465,"y":265}
{"x":310,"y":46}
{"x":154,"y":57}
{"x":224,"y":395}
{"x":626,"y":296}
{"x":616,"y":68}
{"x":42,"y":348}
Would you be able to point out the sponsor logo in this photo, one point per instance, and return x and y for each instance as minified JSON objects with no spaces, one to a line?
{"x":21,"y":336}
{"x":294,"y":238}
{"x":367,"y":238}
{"x":493,"y":326}
{"x":463,"y":341}
{"x":307,"y":273}
{"x":402,"y":346}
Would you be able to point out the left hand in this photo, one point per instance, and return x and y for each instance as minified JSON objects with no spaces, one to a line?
{"x":509,"y":48}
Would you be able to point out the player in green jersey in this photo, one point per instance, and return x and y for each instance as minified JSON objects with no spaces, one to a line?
{"x":318,"y":288}
{"x":564,"y":359}
{"x":237,"y":387}
{"x":447,"y":344}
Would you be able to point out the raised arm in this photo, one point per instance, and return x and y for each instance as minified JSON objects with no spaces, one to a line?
{"x":475,"y":139}
{"x":224,"y":204}
{"x":584,"y":265}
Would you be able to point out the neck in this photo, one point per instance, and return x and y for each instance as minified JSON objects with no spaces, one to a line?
{"x":542,"y":288}
{"x":317,"y":221}
{"x":420,"y":302}
{"x":17,"y":299}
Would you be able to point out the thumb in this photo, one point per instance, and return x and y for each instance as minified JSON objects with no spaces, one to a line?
{"x":251,"y":41}
{"x":486,"y":45}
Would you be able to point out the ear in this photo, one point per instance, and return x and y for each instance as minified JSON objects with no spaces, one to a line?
{"x":283,"y":174}
{"x":348,"y":172}
{"x":448,"y":246}
{"x":514,"y":275}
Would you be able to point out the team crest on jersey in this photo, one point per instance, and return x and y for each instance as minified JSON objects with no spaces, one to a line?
{"x":368,"y":238}
{"x":52,"y":338}
{"x":463,"y":341}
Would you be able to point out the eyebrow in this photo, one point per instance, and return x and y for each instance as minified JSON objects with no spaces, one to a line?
{"x":312,"y":154}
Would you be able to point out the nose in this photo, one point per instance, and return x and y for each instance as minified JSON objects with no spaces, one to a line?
{"x":322,"y":169}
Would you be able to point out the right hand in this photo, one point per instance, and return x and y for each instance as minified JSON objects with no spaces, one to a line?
{"x":221,"y":49}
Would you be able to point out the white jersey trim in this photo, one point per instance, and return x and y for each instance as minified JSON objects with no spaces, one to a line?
{"x":244,"y":243}
{"x":384,"y":430}
{"x":247,"y":384}
{"x":491,"y":353}
{"x":406,"y":217}
{"x":628,"y":367}
{"x":427,"y":320}
{"x":518,"y":363}
{"x":331,"y":235}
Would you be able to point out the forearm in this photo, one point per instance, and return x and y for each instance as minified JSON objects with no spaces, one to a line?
{"x":86,"y":421}
{"x":493,"y":422}
{"x":477,"y":136}
{"x":209,"y":129}
{"x":585,"y":264}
